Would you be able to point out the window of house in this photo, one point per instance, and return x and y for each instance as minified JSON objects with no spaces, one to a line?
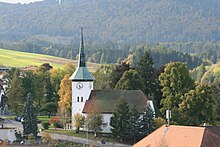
{"x":77,"y":99}
{"x":81,"y":99}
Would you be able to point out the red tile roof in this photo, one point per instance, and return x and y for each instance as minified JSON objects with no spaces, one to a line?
{"x":181,"y":136}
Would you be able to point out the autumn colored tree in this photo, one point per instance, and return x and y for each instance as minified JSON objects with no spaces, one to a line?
{"x":69,"y":68}
{"x":65,"y":94}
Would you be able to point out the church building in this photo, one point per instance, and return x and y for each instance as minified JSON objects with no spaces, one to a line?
{"x":85,"y":99}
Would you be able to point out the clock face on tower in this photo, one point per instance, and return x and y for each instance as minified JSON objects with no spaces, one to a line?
{"x":79,"y":86}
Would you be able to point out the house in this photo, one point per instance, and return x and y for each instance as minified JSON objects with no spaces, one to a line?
{"x":182,"y":136}
{"x":84,"y":97}
{"x":7,"y":133}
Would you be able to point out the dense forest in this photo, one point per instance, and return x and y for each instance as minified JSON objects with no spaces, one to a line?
{"x":112,"y":20}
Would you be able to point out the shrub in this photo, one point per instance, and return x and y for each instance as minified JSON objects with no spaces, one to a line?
{"x":58,"y":124}
{"x":46,"y":125}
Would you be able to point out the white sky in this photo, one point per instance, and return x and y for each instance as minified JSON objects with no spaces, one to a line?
{"x":19,"y":1}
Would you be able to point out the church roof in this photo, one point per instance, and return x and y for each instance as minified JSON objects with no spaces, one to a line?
{"x":82,"y":73}
{"x":182,"y":136}
{"x":106,"y":100}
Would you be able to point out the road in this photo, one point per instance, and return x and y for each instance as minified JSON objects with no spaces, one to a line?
{"x":87,"y":141}
{"x":12,"y":123}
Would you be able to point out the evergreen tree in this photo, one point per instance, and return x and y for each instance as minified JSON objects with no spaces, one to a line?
{"x":134,"y":117}
{"x":120,"y":121}
{"x":30,"y":118}
{"x":146,"y":71}
{"x":146,"y":123}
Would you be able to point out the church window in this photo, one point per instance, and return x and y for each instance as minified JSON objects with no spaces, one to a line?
{"x":81,"y":99}
{"x":77,"y":99}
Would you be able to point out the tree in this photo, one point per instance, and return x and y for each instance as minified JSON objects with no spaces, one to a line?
{"x":50,"y":108}
{"x":30,"y":118}
{"x":15,"y":95}
{"x":39,"y":90}
{"x":198,"y":106}
{"x":28,"y":82}
{"x":69,"y":68}
{"x":146,"y":71}
{"x":65,"y":94}
{"x":134,"y":117}
{"x":130,"y":81}
{"x":146,"y":123}
{"x":120,"y":121}
{"x":104,"y":77}
{"x":175,"y":82}
{"x":79,"y":121}
{"x":94,"y":119}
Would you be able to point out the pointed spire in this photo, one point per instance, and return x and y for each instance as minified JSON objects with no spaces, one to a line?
{"x":82,"y":62}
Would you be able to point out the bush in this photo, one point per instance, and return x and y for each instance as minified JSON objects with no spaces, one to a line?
{"x":58,"y":124}
{"x":46,"y":125}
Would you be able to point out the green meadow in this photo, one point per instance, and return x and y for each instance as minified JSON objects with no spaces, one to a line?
{"x":11,"y":58}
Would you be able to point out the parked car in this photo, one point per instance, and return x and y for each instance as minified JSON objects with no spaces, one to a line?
{"x":19,"y":118}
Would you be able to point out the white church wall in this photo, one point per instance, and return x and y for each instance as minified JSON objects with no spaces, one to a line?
{"x":106,"y":123}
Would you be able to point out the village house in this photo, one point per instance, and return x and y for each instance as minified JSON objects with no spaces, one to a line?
{"x":85,"y":99}
{"x":182,"y":136}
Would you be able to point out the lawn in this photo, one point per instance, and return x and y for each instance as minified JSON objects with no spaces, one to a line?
{"x":11,"y":58}
{"x":82,"y":135}
{"x":43,"y":119}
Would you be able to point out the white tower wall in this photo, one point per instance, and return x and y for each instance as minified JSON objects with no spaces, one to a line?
{"x":80,"y":96}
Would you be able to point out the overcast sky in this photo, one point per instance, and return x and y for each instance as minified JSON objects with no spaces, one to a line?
{"x":19,"y":1}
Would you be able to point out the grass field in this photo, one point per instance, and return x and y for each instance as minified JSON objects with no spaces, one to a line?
{"x":11,"y":58}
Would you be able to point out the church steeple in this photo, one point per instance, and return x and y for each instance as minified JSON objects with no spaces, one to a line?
{"x":82,"y":73}
{"x":82,"y":62}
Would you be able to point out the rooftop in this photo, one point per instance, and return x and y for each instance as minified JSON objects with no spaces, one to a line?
{"x":106,"y":100}
{"x":182,"y":136}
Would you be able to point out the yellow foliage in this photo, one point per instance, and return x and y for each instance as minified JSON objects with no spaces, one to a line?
{"x":65,"y":94}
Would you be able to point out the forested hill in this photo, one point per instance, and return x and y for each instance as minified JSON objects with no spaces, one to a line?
{"x":114,"y":20}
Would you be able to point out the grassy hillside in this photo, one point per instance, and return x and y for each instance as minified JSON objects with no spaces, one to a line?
{"x":21,"y":59}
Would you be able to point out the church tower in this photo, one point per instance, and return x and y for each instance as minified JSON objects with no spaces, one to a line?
{"x":82,"y":82}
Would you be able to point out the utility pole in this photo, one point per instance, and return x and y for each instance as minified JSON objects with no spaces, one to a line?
{"x":168,"y":116}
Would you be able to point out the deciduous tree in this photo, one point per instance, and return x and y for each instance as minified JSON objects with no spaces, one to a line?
{"x":15,"y":95}
{"x":175,"y":82}
{"x":130,"y":80}
{"x":198,"y":106}
{"x":65,"y":94}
